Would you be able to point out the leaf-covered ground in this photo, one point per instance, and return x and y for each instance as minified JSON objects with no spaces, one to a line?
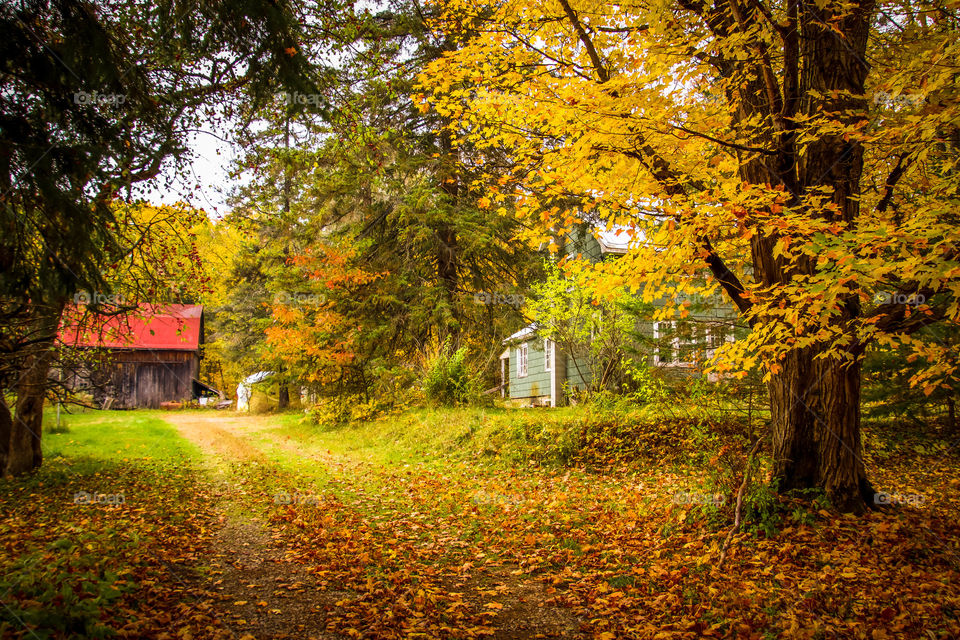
{"x":259,"y":528}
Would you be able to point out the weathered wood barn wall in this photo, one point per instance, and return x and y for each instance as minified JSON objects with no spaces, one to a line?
{"x":145,"y":378}
{"x":144,"y":359}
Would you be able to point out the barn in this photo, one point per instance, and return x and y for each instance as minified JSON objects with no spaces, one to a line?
{"x":139,"y":359}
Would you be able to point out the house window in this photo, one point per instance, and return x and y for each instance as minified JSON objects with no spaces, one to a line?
{"x":715,"y":337}
{"x":661,"y":349}
{"x":547,"y":354}
{"x":675,"y":344}
{"x":522,"y":361}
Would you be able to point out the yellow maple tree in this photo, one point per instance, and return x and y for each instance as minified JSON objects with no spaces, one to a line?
{"x":802,"y":154}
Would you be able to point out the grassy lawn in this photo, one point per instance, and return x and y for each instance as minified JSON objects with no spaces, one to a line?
{"x":505,"y":437}
{"x":462,"y":523}
{"x":104,"y":535}
{"x":128,"y":437}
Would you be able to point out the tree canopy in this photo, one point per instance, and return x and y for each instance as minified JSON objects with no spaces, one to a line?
{"x":804,"y":155}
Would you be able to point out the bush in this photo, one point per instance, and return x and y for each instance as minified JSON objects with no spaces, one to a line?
{"x":339,"y":410}
{"x":643,"y":387}
{"x":448,"y":381}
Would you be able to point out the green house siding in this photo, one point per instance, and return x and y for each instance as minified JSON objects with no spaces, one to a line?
{"x":582,"y":243}
{"x":578,"y":373}
{"x":673,"y":348}
{"x":537,"y":381}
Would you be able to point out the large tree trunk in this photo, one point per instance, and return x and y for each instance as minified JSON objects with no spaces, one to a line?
{"x":25,"y":453}
{"x":6,"y":429}
{"x":815,"y":402}
{"x":794,"y":424}
{"x":815,"y":410}
{"x":448,"y":251}
{"x":283,"y":396}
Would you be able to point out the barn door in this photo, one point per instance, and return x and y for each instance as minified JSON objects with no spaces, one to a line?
{"x":156,"y":383}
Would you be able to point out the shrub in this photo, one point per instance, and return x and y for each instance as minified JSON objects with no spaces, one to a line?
{"x":447,"y":380}
{"x":643,"y":386}
{"x":337,"y":411}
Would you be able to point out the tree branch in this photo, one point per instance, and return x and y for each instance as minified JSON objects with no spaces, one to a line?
{"x":602,"y":72}
{"x":724,"y":143}
{"x":891,"y":182}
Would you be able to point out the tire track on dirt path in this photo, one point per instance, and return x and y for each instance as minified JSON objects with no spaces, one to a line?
{"x":529,"y":611}
{"x":263,"y":593}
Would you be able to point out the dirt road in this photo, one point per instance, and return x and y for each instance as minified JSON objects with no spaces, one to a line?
{"x":265,"y":594}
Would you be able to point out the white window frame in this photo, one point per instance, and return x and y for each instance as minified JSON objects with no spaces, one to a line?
{"x":675,"y":344}
{"x":657,"y":359}
{"x":522,"y":361}
{"x":547,"y":355}
{"x":714,"y":330}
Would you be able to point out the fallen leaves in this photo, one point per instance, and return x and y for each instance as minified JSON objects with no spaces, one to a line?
{"x":459,"y":549}
{"x":77,"y":566}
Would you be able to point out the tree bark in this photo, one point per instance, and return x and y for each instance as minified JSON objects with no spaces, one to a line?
{"x":25,"y":441}
{"x":6,"y":430}
{"x":448,"y":251}
{"x":815,"y":402}
{"x":794,"y":424}
{"x":283,"y":397}
{"x":815,"y":410}
{"x":25,"y":452}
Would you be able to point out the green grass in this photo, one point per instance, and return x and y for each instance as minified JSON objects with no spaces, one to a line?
{"x":562,"y":437}
{"x":115,"y":436}
{"x":420,"y":434}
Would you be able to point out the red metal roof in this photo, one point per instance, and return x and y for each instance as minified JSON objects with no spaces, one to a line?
{"x":161,"y":326}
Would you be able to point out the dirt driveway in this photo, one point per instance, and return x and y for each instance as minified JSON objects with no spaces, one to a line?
{"x":263,"y":592}
{"x":272,"y":590}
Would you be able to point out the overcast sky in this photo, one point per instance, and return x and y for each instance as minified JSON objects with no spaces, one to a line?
{"x":205,"y":184}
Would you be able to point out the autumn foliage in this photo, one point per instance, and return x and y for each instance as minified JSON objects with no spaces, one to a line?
{"x":803,"y":156}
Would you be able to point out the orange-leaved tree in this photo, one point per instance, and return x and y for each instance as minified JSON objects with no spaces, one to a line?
{"x":311,"y":334}
{"x":803,"y":154}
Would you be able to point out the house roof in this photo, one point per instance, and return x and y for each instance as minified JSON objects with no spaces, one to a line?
{"x":523,"y":335}
{"x":615,"y":240}
{"x":151,"y":326}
